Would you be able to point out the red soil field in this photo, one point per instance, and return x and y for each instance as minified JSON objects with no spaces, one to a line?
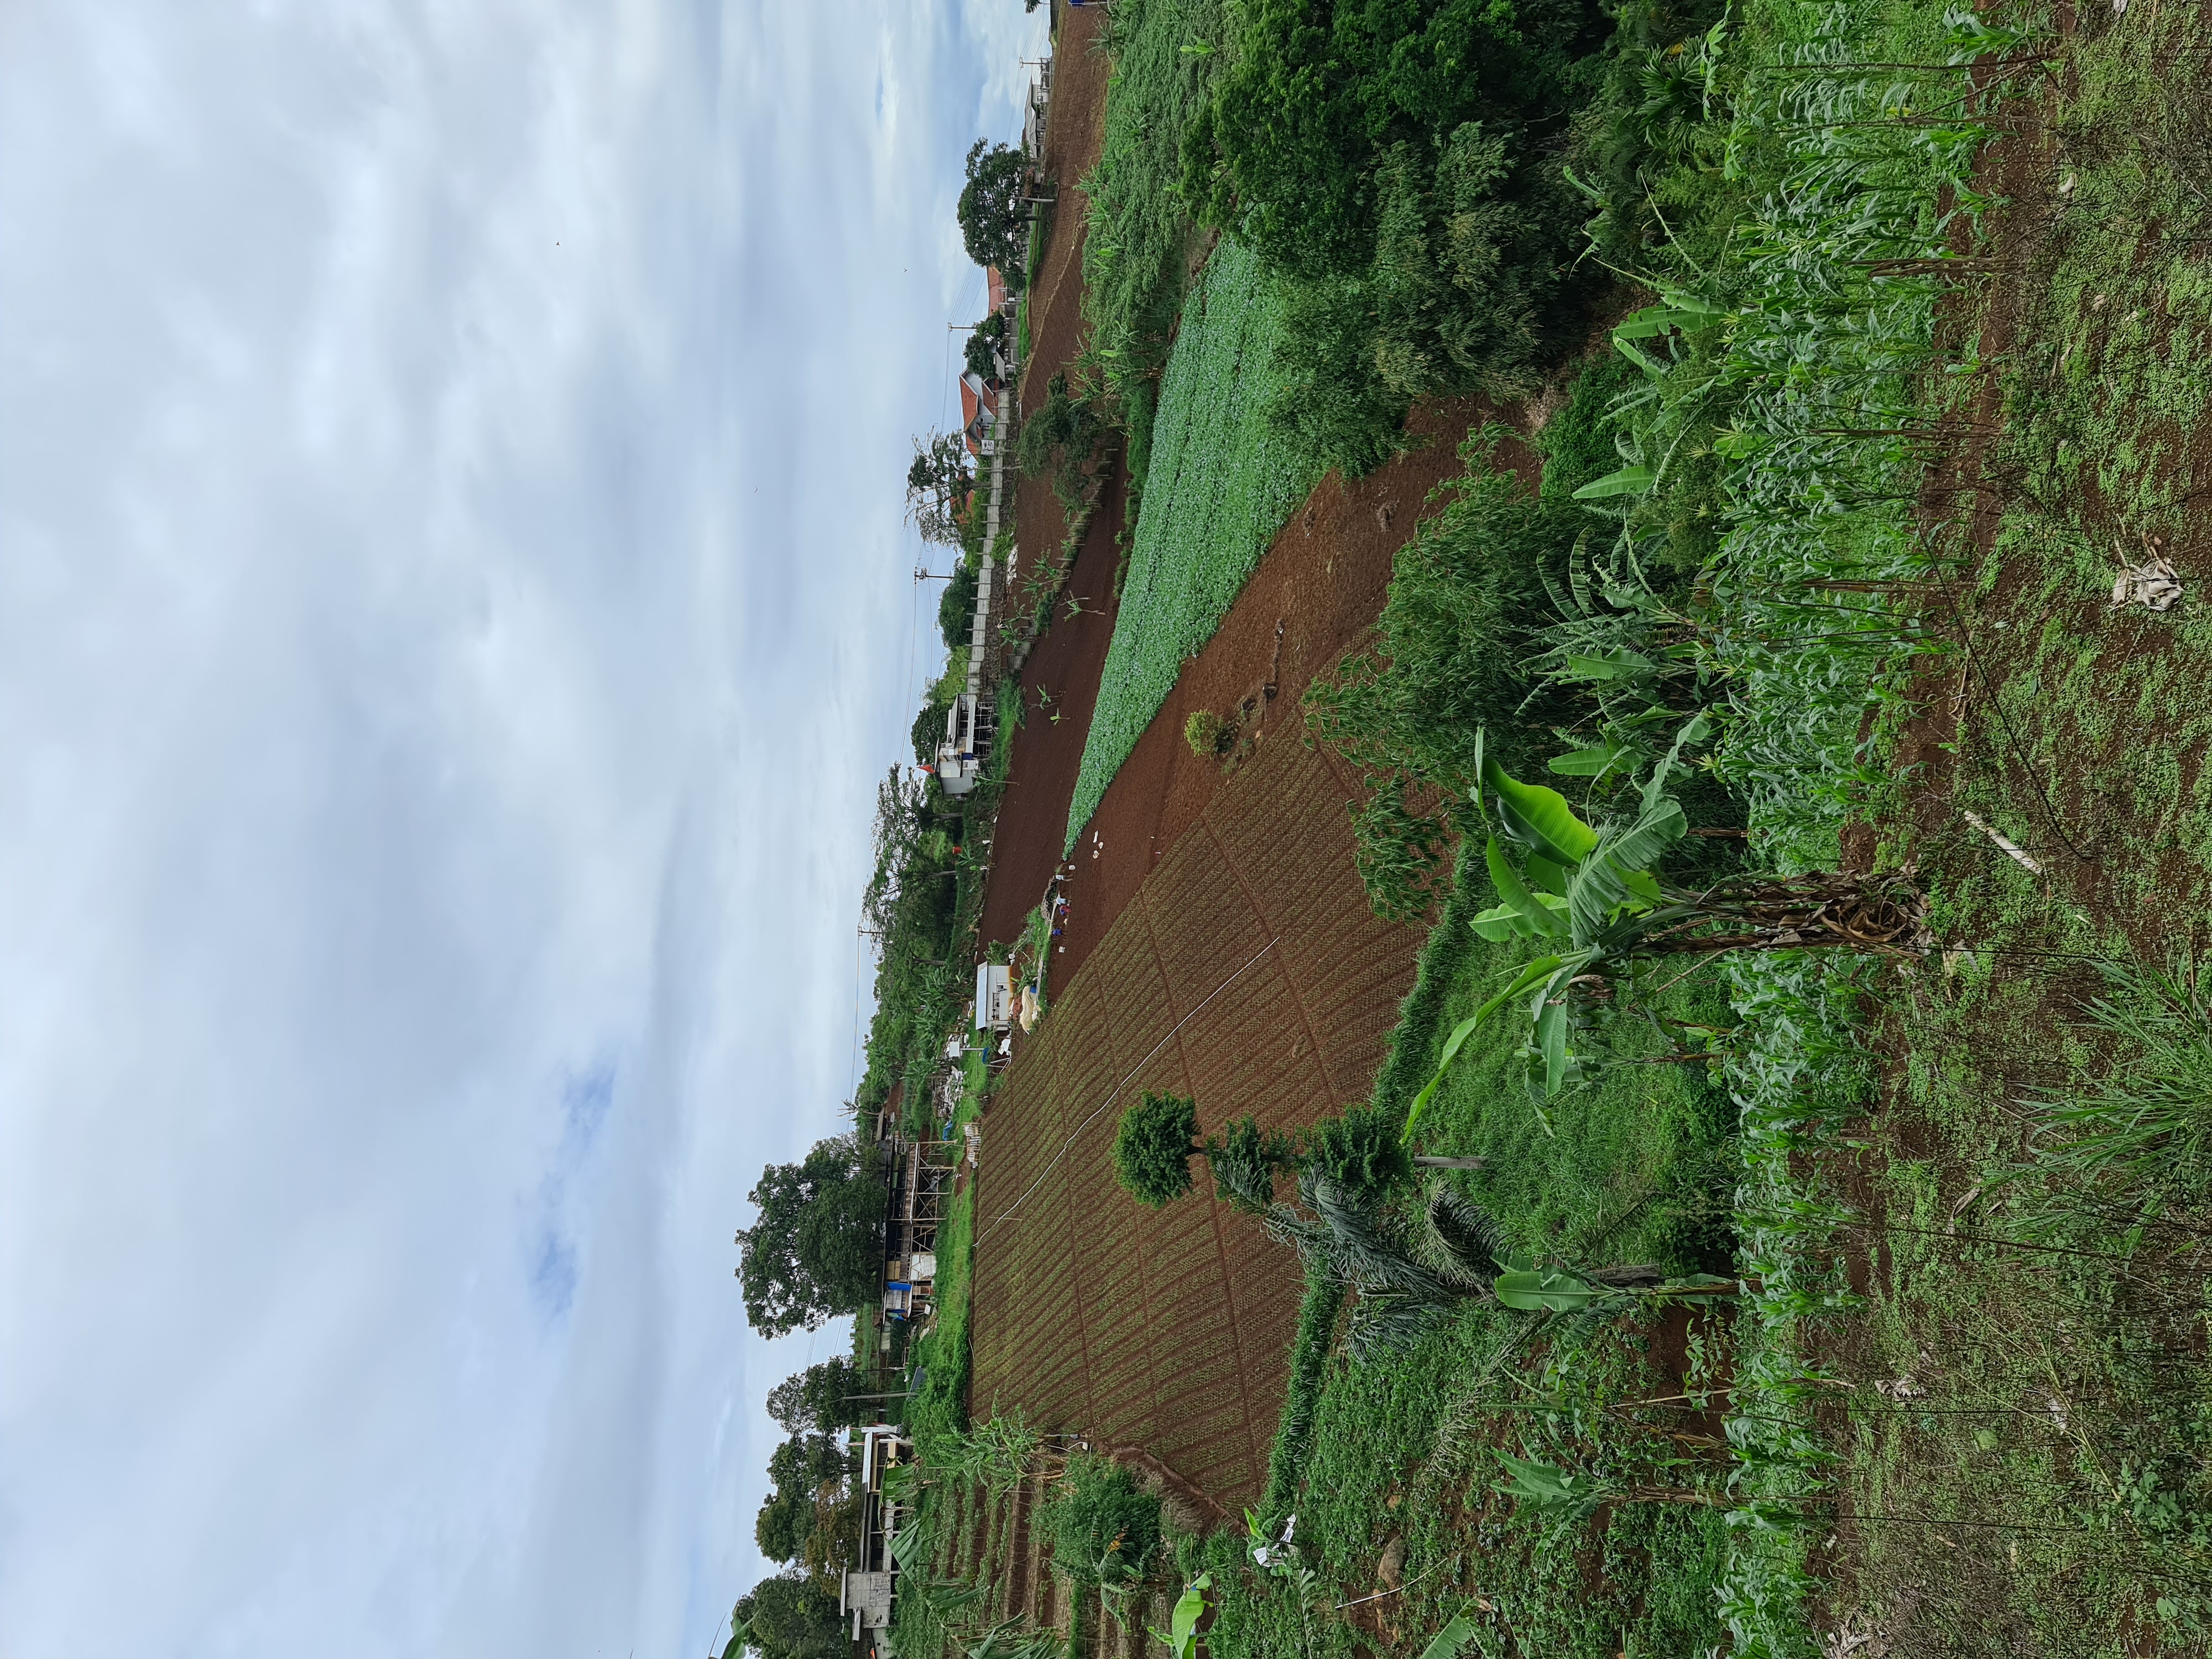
{"x":1323,"y":580}
{"x":1248,"y":972}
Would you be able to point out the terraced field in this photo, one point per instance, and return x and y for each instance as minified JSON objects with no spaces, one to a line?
{"x":1249,"y":973}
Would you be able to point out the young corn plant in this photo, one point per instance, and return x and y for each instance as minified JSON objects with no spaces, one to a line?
{"x":1591,"y":896}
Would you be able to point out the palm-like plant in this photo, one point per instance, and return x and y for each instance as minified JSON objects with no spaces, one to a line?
{"x":1593,"y":896}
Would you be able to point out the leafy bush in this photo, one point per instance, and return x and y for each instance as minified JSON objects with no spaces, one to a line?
{"x":1202,"y":731}
{"x":1447,"y":663}
{"x":956,"y":607}
{"x":1403,"y":167}
{"x":1152,"y":1148}
{"x":1058,"y":438}
{"x":1103,"y":1527}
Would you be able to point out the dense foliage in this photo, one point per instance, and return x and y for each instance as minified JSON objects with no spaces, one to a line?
{"x":790,"y":1617}
{"x":995,"y":219}
{"x":1448,"y":661}
{"x":1403,"y":167}
{"x":1153,"y":1146}
{"x":816,"y":1249}
{"x":956,"y":606}
{"x":1103,"y":1527}
{"x":820,"y":1399}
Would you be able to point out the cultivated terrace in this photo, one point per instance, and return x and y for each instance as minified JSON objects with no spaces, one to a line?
{"x":1538,"y":981}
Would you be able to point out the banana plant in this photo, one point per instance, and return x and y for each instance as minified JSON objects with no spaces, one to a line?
{"x":1586,"y":892}
{"x":1179,"y":1638}
{"x":1590,"y":899}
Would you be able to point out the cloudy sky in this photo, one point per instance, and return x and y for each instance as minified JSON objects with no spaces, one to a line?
{"x":454,"y":608}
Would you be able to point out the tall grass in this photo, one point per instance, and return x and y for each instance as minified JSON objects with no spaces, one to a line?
{"x":1140,"y":240}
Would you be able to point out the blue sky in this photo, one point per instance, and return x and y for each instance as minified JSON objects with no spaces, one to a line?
{"x":453,"y":612}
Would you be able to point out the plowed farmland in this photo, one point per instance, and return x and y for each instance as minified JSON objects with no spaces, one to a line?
{"x":1248,"y":972}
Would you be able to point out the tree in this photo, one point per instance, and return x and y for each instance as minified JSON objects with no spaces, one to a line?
{"x":816,"y":1249}
{"x":819,"y":1398}
{"x":956,"y":606}
{"x":995,"y":219}
{"x":985,"y":344}
{"x":786,"y":1517}
{"x":1152,"y":1148}
{"x":938,"y":482}
{"x":1361,"y":1152}
{"x":789,"y":1617}
{"x":899,"y":805}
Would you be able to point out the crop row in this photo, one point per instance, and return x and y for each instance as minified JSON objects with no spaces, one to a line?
{"x":1221,"y":481}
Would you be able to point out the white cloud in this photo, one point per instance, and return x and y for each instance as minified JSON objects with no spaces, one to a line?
{"x":452,"y":610}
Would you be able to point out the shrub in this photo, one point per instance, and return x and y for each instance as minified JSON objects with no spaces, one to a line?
{"x":1245,"y":1161}
{"x":1361,"y":1152}
{"x":1402,"y":167}
{"x":1446,"y":664}
{"x":1055,"y":441}
{"x":1152,"y":1149}
{"x":1202,"y":731}
{"x":1104,"y":1528}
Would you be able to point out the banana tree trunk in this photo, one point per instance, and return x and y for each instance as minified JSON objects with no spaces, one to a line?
{"x":1824,"y":910}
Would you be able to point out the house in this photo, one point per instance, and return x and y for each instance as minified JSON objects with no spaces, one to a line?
{"x":872,"y":1581}
{"x":979,"y":411}
{"x":966,"y":745}
{"x":994,"y":999}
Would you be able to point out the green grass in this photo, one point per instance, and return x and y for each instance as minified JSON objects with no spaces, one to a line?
{"x":1223,"y":479}
{"x":1139,"y":240}
{"x":1405,"y":1446}
{"x":1631,"y":1168}
{"x":2058,"y":1410}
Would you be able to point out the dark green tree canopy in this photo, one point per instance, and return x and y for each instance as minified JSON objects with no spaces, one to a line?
{"x":995,"y":219}
{"x":1362,"y":1152}
{"x":819,"y":1398}
{"x":1152,"y":1149}
{"x":789,"y":1617}
{"x":988,"y":337}
{"x":816,"y":1249}
{"x":806,"y":1469}
{"x":1245,"y":1162}
{"x":1320,"y":89}
{"x":956,"y":607}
